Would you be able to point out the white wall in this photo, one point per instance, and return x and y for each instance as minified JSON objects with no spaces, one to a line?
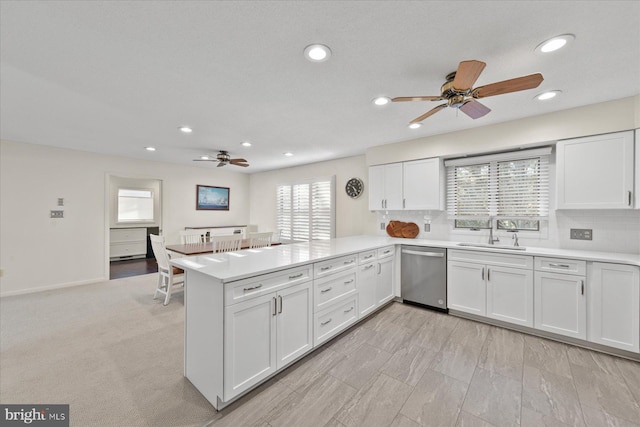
{"x":352,"y":215}
{"x":37,"y":252}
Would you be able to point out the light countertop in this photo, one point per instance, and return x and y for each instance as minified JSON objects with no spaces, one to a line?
{"x":232,"y":266}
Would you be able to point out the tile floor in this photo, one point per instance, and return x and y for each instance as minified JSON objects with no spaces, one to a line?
{"x":406,"y":366}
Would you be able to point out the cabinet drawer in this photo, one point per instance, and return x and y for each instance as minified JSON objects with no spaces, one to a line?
{"x":332,"y":321}
{"x":253,"y":287}
{"x":330,"y":289}
{"x":365,"y":257}
{"x":128,"y":249}
{"x":561,"y":265}
{"x":504,"y":260}
{"x":334,"y":265}
{"x":387,"y":251}
{"x":118,"y":235}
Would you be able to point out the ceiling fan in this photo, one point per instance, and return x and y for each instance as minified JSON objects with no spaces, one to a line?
{"x":224,"y":158}
{"x":458,"y":91}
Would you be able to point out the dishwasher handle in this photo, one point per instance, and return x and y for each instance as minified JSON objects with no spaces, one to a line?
{"x":420,"y":253}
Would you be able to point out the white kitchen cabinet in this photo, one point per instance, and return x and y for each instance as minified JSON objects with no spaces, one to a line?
{"x":384,"y":281}
{"x":637,"y":169}
{"x":367,"y":275}
{"x":613,"y":311}
{"x":385,"y":187}
{"x":595,"y":172}
{"x":423,"y":184}
{"x":375,"y":279}
{"x":560,"y":304}
{"x":264,"y":334}
{"x":127,"y":243}
{"x":498,"y":286}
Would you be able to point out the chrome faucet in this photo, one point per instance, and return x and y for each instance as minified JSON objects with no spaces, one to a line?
{"x":515,"y":239}
{"x":491,"y":239}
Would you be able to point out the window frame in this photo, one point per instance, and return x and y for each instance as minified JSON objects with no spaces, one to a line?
{"x":152,"y":198}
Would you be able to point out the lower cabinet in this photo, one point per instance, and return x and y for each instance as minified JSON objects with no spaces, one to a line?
{"x":367,"y":275}
{"x":560,"y":304}
{"x":264,"y":334}
{"x":614,"y":296}
{"x":384,"y":281}
{"x":491,"y":285}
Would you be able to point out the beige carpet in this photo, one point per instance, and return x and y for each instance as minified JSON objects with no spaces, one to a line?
{"x":108,"y":350}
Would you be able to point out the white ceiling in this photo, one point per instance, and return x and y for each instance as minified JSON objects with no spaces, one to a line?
{"x":115,"y":76}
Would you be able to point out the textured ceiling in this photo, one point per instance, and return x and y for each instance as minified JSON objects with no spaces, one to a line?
{"x":115,"y":76}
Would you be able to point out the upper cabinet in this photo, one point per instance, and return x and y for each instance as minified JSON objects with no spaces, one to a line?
{"x":385,"y":187}
{"x":596,"y":172}
{"x":637,"y":168}
{"x":415,"y":185}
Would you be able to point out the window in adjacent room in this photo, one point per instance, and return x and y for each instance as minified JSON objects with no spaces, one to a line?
{"x":512,"y":187}
{"x":135,"y":205}
{"x":306,"y":210}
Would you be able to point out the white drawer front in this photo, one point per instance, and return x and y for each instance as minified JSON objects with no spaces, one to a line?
{"x":334,"y":265}
{"x":500,"y":259}
{"x":118,"y":235}
{"x":330,"y":289}
{"x":365,"y":257}
{"x":561,"y":265}
{"x":332,"y":321}
{"x":128,"y":249}
{"x":253,"y":287}
{"x":387,"y":251}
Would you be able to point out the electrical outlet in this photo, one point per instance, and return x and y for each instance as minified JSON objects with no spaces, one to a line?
{"x":427,"y":227}
{"x":382,"y":226}
{"x":57,"y":214}
{"x":581,"y":234}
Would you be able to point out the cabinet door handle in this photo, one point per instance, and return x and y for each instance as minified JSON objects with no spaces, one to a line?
{"x":368,"y":266}
{"x":403,"y":203}
{"x":295,"y":276}
{"x":253,"y":287}
{"x":348,"y":281}
{"x":581,"y":287}
{"x":379,"y":268}
{"x":324,"y":323}
{"x":554,"y":265}
{"x":326,"y":290}
{"x":325,"y":268}
{"x":346,"y":311}
{"x":351,"y":261}
{"x":482,"y":273}
{"x":280,"y":301}
{"x":382,"y":203}
{"x":275,"y":308}
{"x":488,"y":274}
{"x":387,"y":251}
{"x":630,"y":194}
{"x":368,"y":256}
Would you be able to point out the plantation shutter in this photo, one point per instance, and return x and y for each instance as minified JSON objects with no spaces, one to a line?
{"x":507,"y":185}
{"x":306,"y":210}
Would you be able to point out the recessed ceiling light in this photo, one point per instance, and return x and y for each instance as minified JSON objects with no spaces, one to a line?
{"x":415,"y":125}
{"x":204,"y":157}
{"x":246,"y":144}
{"x":547,"y":95}
{"x":185,"y":129}
{"x":288,"y":154}
{"x":555,"y":43}
{"x":150,"y":148}
{"x":317,"y":52}
{"x":381,"y":100}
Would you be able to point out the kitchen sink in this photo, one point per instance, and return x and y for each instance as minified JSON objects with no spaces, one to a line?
{"x":488,"y":246}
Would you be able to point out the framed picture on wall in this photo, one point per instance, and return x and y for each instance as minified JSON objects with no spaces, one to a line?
{"x":212,"y":198}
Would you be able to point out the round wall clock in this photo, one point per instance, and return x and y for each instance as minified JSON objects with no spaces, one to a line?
{"x":354,"y":187}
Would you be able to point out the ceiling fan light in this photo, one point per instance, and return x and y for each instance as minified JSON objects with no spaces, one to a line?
{"x":555,"y":43}
{"x":544,"y":96}
{"x":204,"y":157}
{"x":381,"y":100}
{"x":150,"y":148}
{"x":288,"y":154}
{"x":246,"y":144}
{"x":185,"y":129}
{"x":317,"y":52}
{"x":415,"y":125}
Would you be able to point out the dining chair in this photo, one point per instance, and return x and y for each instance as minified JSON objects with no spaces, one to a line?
{"x":188,"y":237}
{"x":168,"y":275}
{"x":260,"y":240}
{"x":228,"y":243}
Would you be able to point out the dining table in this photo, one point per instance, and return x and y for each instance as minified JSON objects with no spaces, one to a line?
{"x":188,"y":249}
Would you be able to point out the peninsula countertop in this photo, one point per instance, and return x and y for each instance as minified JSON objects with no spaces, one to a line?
{"x":228,"y":267}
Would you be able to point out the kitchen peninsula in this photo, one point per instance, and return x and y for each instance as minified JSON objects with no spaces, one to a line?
{"x":249,"y":314}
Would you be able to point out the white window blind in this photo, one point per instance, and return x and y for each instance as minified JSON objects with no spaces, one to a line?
{"x":509,"y":185}
{"x":135,"y":205}
{"x":306,"y":210}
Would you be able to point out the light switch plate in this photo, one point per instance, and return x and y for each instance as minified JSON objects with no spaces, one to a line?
{"x":581,"y":234}
{"x":57,"y":214}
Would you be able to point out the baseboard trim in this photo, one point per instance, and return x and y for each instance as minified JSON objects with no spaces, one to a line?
{"x":52,"y":287}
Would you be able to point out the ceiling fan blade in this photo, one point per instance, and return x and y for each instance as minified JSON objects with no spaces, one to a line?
{"x":221,"y":164}
{"x":429,"y":113}
{"x":238,"y":160}
{"x":467,"y":74}
{"x":474,"y":109}
{"x":508,"y":86}
{"x":417,"y":98}
{"x":244,"y":165}
{"x":205,"y":160}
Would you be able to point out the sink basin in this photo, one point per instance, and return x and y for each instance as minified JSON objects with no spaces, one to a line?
{"x":488,"y":246}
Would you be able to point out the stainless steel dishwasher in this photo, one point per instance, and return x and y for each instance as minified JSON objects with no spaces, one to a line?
{"x":424,"y":276}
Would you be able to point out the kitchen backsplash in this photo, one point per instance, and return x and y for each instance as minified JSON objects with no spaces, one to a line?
{"x":613,"y":230}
